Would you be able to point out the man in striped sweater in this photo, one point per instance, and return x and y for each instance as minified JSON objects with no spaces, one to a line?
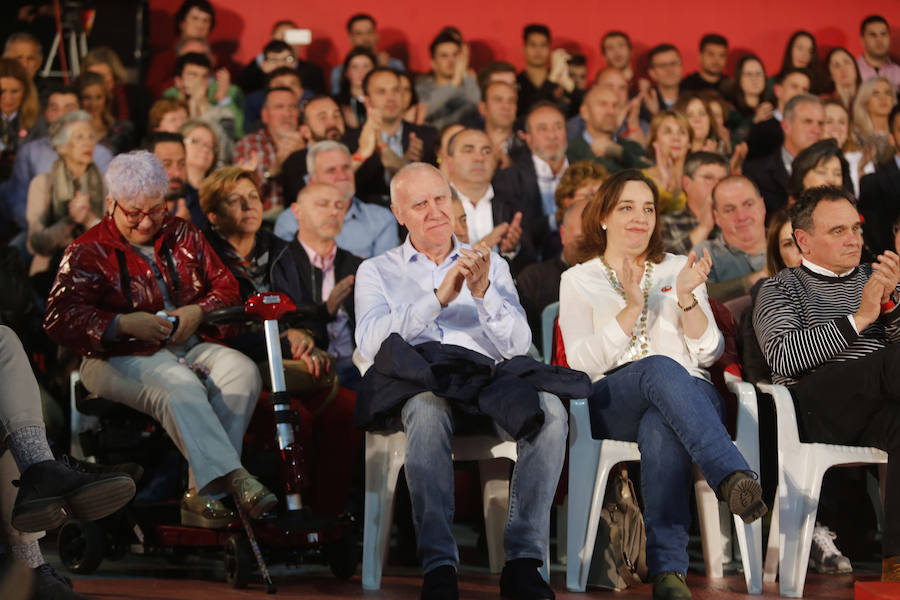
{"x":829,"y":329}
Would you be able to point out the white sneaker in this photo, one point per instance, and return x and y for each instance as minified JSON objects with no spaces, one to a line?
{"x":825,"y":556}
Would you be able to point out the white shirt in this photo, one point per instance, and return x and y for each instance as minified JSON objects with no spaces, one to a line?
{"x":594,"y":340}
{"x":547,"y":183}
{"x":394,"y":293}
{"x":479,"y":215}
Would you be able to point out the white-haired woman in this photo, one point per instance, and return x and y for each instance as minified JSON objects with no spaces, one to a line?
{"x":114,"y":299}
{"x":68,"y":199}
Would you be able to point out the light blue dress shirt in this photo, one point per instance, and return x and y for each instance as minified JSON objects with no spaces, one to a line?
{"x":395,"y":294}
{"x":368,"y":229}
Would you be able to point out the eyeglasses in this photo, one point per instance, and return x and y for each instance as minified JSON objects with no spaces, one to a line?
{"x":666,"y":65}
{"x":133,"y":217}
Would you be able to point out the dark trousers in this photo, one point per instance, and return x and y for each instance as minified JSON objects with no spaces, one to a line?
{"x":857,"y":403}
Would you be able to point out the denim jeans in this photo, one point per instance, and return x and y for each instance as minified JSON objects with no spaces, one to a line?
{"x":676,"y":419}
{"x":429,"y":424}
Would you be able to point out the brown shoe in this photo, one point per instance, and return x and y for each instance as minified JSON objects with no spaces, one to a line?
{"x":198,"y":511}
{"x":252,"y":496}
{"x":890,"y":568}
{"x":743,"y":494}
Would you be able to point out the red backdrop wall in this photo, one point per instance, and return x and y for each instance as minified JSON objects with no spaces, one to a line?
{"x":494,"y":28}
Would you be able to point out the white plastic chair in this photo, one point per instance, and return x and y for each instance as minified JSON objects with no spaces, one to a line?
{"x":386,"y":453}
{"x":801,"y":466}
{"x":548,"y":318}
{"x":590,"y":461}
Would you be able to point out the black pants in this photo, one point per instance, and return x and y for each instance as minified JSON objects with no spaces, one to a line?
{"x":857,"y":403}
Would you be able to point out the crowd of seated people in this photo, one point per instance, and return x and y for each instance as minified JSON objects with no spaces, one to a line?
{"x":433,"y":217}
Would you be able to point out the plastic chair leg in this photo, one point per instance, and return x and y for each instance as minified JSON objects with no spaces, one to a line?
{"x":587,"y":484}
{"x":799,"y":497}
{"x":710,"y":530}
{"x":495,"y":494}
{"x":384,"y":457}
{"x":749,"y":539}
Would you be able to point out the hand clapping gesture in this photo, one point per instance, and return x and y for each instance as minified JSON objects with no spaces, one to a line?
{"x":694,"y":273}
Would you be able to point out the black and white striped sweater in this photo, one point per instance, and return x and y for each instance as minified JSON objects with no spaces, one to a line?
{"x":801,"y":321}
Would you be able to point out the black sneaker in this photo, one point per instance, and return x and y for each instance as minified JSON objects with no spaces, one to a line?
{"x":50,"y":585}
{"x":440,"y":584}
{"x":133,"y":470}
{"x":52,"y":492}
{"x":521,"y":580}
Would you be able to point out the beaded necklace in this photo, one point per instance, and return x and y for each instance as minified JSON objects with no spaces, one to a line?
{"x":639,"y":346}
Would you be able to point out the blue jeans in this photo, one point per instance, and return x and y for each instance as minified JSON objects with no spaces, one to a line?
{"x":676,"y":419}
{"x":429,"y":424}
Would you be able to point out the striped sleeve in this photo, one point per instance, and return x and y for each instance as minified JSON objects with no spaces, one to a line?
{"x":790,"y":346}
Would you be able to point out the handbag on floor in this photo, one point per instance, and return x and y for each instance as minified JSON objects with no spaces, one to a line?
{"x":620,"y":552}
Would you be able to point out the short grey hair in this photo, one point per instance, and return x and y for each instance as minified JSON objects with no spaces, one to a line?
{"x":23,"y":36}
{"x":59,"y":129}
{"x":320,"y":147}
{"x":407,"y":172}
{"x":136,"y":174}
{"x":796,"y":101}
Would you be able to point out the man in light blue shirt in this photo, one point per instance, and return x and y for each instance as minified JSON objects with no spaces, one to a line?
{"x":432,"y":288}
{"x":368,"y":229}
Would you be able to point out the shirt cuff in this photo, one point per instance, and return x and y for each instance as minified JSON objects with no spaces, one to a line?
{"x":224,"y":101}
{"x":852,"y":324}
{"x":491,"y":304}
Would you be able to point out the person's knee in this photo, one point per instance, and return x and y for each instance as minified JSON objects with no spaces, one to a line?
{"x":428,"y":413}
{"x":555,"y":414}
{"x":661,"y":365}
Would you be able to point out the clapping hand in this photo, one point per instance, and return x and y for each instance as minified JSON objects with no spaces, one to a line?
{"x":694,"y":273}
{"x":475,"y":265}
{"x":630,"y":280}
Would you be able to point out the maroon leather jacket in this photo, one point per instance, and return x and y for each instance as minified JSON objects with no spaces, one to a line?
{"x":101,"y":275}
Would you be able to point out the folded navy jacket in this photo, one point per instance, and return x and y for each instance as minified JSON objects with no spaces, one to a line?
{"x":507,"y":391}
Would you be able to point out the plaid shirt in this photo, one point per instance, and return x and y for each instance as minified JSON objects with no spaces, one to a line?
{"x":262,"y":144}
{"x":676,"y":231}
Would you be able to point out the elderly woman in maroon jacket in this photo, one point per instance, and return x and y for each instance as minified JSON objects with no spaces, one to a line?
{"x":130,"y":296}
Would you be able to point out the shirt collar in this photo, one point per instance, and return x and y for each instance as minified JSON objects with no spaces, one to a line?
{"x":787,"y":159}
{"x":409,"y":252}
{"x":397,"y":136}
{"x":354,"y":211}
{"x":822,"y":270}
{"x":543,"y":169}
{"x":897,"y":160}
{"x":324,"y":263}
{"x":487,"y":197}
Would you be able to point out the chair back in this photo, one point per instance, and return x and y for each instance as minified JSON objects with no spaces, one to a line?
{"x":548,"y":322}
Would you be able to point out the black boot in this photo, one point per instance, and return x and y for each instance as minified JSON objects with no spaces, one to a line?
{"x":440,"y":584}
{"x":521,"y":580}
{"x":51,"y":492}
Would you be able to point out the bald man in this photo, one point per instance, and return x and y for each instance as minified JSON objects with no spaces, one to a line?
{"x":451,"y":302}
